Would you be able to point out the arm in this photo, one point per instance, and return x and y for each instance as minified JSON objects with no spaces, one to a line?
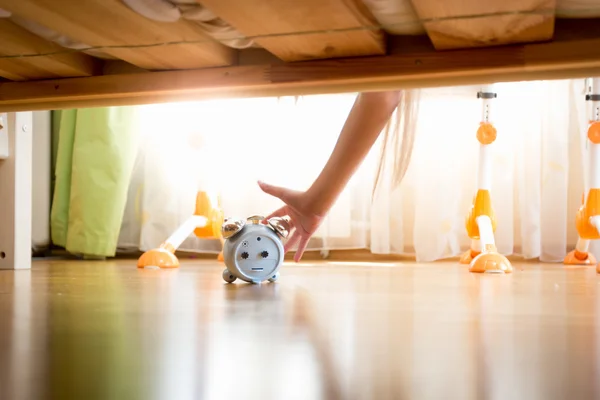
{"x":369,"y":115}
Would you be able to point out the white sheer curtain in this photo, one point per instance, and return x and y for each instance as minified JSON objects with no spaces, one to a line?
{"x":227,"y":145}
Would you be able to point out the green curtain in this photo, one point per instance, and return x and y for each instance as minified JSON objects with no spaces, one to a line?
{"x":94,"y":154}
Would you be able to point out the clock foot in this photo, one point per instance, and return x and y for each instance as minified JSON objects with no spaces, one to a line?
{"x":228,"y":276}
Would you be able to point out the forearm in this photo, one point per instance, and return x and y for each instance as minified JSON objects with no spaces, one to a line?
{"x":369,"y":115}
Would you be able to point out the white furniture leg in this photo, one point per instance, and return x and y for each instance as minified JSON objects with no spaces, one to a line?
{"x":15,"y":191}
{"x":480,"y":222}
{"x":587,"y":215}
{"x":484,"y":169}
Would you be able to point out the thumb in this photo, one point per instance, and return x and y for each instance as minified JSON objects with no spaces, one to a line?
{"x":275,"y":191}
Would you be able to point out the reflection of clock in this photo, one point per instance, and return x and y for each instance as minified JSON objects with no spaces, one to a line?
{"x":253,"y":251}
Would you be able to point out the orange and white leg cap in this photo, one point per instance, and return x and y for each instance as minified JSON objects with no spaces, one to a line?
{"x":162,"y":257}
{"x":490,"y":262}
{"x":576,"y":257}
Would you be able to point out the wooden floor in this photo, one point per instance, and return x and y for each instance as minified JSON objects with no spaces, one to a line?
{"x":106,"y":330}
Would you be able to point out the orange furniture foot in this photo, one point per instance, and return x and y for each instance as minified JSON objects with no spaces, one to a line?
{"x":468,"y":256}
{"x":162,"y":257}
{"x":491,"y":262}
{"x":579,"y":258}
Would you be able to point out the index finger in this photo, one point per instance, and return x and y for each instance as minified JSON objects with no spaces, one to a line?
{"x":280,"y":212}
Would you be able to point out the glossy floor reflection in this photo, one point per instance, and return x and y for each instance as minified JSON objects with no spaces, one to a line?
{"x":106,"y":330}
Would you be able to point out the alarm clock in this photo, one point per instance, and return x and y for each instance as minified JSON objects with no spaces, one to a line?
{"x":253,"y":250}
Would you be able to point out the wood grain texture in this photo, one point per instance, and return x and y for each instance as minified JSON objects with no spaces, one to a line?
{"x":340,"y":330}
{"x":471,"y":29}
{"x":15,"y":41}
{"x":112,"y":23}
{"x":578,"y":55}
{"x":292,"y":21}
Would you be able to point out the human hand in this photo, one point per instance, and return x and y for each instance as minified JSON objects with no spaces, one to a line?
{"x":304,"y":218}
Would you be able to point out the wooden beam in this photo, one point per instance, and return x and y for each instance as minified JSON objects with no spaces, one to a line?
{"x":15,"y":40}
{"x":295,"y":24}
{"x":112,"y":23}
{"x":473,"y":29}
{"x":572,"y":55}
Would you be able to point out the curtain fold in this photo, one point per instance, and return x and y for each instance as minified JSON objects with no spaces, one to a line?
{"x":96,"y":150}
{"x":395,"y":152}
{"x":410,"y":196}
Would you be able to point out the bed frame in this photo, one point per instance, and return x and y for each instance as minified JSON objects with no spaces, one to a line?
{"x":300,"y":47}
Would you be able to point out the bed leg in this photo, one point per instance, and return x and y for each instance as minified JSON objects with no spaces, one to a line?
{"x":481,"y":222}
{"x":588,"y":215}
{"x":15,"y":190}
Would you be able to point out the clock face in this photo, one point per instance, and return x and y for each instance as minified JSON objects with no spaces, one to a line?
{"x":257,"y":253}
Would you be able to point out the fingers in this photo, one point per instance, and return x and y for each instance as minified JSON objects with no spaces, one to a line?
{"x":299,"y":234}
{"x":293,"y":216}
{"x":301,"y":247}
{"x":291,"y":241}
{"x":280,"y":212}
{"x":297,"y":237}
{"x":276,"y":191}
{"x":287,"y":213}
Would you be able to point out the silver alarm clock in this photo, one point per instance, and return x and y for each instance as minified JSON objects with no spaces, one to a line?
{"x":253,"y":251}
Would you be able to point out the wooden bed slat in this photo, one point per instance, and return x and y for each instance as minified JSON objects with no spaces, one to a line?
{"x":15,"y":40}
{"x":575,"y":53}
{"x":112,"y":23}
{"x":473,"y":31}
{"x":279,"y":17}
